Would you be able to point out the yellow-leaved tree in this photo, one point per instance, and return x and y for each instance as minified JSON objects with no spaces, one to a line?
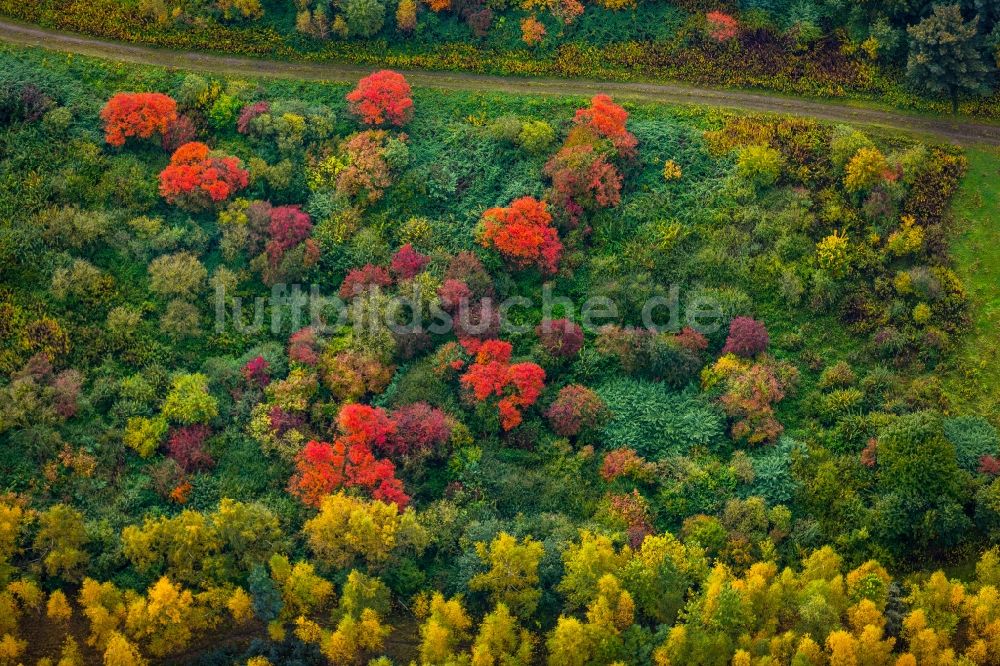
{"x":512,"y":578}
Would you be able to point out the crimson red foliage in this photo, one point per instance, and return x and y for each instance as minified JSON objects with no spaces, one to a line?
{"x":359,"y":280}
{"x":747,"y":337}
{"x":560,"y":337}
{"x":382,"y":98}
{"x":523,"y":234}
{"x":137,"y":114}
{"x":186,"y":447}
{"x":518,"y":385}
{"x":289,"y":227}
{"x":196,"y":179}
{"x":248,"y":113}
{"x":303,"y":347}
{"x":407,"y":262}
{"x":607,"y":119}
{"x":692,"y":340}
{"x":576,"y":409}
{"x":255,"y":372}
{"x":419,"y":427}
{"x":452,"y":294}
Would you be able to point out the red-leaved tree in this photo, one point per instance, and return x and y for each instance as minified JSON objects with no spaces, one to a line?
{"x":407,"y":262}
{"x":255,"y":372}
{"x":721,"y":26}
{"x":140,"y":115}
{"x":419,"y":428}
{"x":187,"y":447}
{"x":197,"y":179}
{"x":607,"y":119}
{"x":560,"y":337}
{"x":523,"y":234}
{"x":382,"y":98}
{"x":747,"y":337}
{"x":289,"y":227}
{"x":576,"y":410}
{"x":518,"y":385}
{"x":359,"y":280}
{"x":583,"y":179}
{"x":322,"y":468}
{"x":303,"y":346}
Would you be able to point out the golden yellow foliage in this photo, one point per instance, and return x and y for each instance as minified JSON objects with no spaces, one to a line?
{"x":58,"y":607}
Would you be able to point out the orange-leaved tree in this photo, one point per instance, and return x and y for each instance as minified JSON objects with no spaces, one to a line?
{"x":523,"y":234}
{"x":141,"y":115}
{"x":196,"y":178}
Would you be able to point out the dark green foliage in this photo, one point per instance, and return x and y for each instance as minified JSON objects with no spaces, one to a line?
{"x":973,"y":437}
{"x":656,"y":422}
{"x":944,"y":56}
{"x":772,"y":472}
{"x":920,"y":484}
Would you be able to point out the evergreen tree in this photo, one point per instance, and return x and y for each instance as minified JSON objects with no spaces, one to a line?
{"x":944,"y":56}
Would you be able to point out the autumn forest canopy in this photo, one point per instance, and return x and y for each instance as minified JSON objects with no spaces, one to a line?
{"x":298,"y":373}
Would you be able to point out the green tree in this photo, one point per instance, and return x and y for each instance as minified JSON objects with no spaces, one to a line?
{"x":189,"y":400}
{"x":919,"y":483}
{"x":364,"y":17}
{"x":944,"y":56}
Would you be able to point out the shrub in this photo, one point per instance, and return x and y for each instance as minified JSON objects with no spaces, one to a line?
{"x":535,"y":136}
{"x":145,"y":434}
{"x":583,"y":179}
{"x":655,"y":422}
{"x":607,"y":119}
{"x":419,"y":428}
{"x":189,"y":401}
{"x":322,"y":468}
{"x":865,"y":170}
{"x":407,"y":262}
{"x":721,"y":27}
{"x":973,"y":437}
{"x":181,"y":275}
{"x":761,"y":165}
{"x":532,"y":31}
{"x":186,"y":446}
{"x":365,"y":18}
{"x":518,"y":385}
{"x":523,"y":234}
{"x":576,"y":411}
{"x":560,"y":337}
{"x":382,"y":98}
{"x":359,"y":280}
{"x":197,"y":179}
{"x":406,"y":16}
{"x":747,"y":337}
{"x":139,"y":115}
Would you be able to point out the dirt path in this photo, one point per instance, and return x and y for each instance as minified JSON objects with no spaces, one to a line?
{"x":966,"y":133}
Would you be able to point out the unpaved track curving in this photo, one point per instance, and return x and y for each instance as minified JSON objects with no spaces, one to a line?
{"x":966,"y":133}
